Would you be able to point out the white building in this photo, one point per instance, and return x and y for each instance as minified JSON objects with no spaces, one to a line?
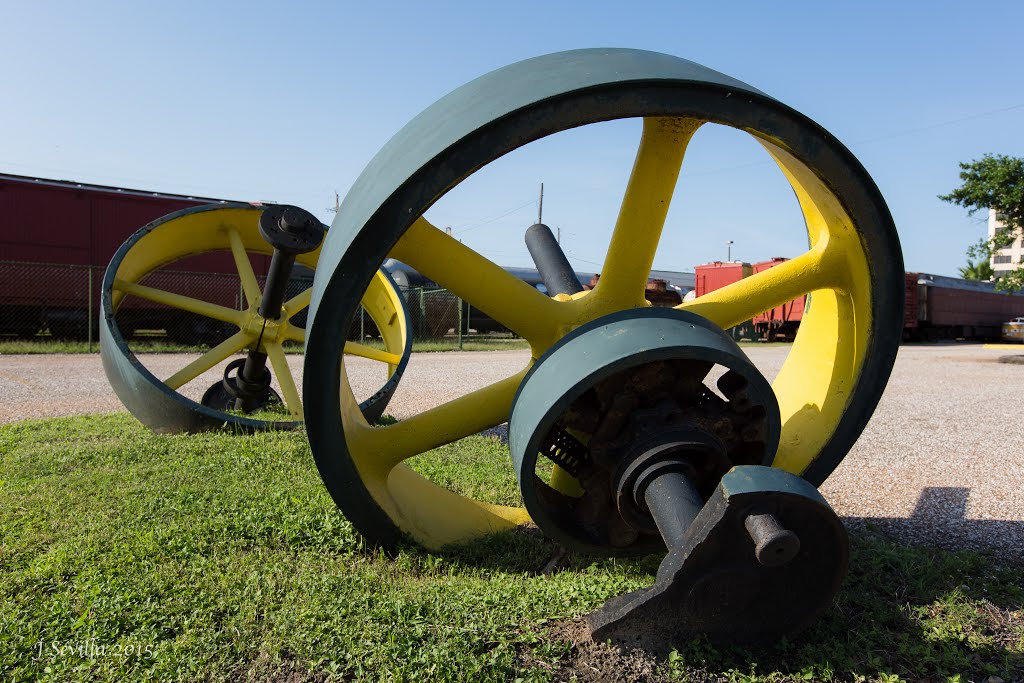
{"x":1008,"y":258}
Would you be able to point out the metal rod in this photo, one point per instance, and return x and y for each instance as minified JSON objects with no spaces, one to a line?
{"x":277,"y":284}
{"x":90,"y":310}
{"x":674,"y":503}
{"x":774,"y":545}
{"x":554,"y":267}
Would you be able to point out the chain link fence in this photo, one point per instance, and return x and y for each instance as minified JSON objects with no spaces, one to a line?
{"x":51,"y":302}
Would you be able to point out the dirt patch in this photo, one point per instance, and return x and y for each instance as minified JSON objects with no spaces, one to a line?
{"x":590,"y":662}
{"x":268,"y":669}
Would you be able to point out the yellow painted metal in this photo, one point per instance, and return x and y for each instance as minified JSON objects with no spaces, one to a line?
{"x":250,"y":287}
{"x":826,"y":357}
{"x":812,"y":387}
{"x":432,"y":514}
{"x":354,"y":349}
{"x":464,"y":272}
{"x":289,"y":392}
{"x":642,"y":213}
{"x":297,"y":302}
{"x":184,"y":303}
{"x":210,"y":359}
{"x":563,"y":482}
{"x":236,"y":230}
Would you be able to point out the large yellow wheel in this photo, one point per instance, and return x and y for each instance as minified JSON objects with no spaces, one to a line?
{"x":831,"y":381}
{"x":232,"y":305}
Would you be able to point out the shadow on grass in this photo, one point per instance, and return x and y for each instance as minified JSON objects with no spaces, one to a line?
{"x":917,"y":612}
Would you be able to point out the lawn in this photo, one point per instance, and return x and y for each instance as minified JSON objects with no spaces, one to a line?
{"x":130,"y":556}
{"x":43,"y":345}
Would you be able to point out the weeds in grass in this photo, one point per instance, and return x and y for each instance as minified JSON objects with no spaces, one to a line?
{"x":221,"y":557}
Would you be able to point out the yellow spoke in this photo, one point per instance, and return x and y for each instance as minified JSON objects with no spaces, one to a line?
{"x":294,"y":333}
{"x":742,"y":300}
{"x":284,"y":377}
{"x":250,"y":287}
{"x":642,"y":213}
{"x":298,"y":302}
{"x":354,"y":349}
{"x":218,"y":353}
{"x":185,"y":303}
{"x":487,"y":286}
{"x":381,"y":448}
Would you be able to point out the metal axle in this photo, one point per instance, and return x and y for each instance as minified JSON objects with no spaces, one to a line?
{"x":666,"y":490}
{"x":553,"y":266}
{"x":291,"y":231}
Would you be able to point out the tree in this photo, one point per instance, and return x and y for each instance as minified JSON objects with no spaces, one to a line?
{"x":995,"y":181}
{"x":980,"y":270}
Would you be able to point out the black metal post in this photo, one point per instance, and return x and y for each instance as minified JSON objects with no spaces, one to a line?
{"x":553,"y":266}
{"x":291,"y":231}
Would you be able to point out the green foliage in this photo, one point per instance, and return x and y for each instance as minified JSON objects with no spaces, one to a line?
{"x":995,"y":181}
{"x":217,"y":557}
{"x":980,"y":270}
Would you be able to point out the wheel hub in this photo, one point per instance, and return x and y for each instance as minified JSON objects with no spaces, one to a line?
{"x":622,"y":398}
{"x":646,"y":454}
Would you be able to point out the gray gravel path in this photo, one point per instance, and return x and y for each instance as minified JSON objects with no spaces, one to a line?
{"x":941,"y":462}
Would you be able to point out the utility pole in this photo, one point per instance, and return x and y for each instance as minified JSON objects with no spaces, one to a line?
{"x":728,"y":246}
{"x":540,"y":205}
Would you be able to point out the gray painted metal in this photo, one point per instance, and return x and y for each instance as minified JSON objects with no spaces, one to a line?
{"x":713,"y":583}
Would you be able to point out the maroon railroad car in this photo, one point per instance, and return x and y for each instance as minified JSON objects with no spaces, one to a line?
{"x":940,"y":307}
{"x":57,"y":236}
{"x":937,"y":307}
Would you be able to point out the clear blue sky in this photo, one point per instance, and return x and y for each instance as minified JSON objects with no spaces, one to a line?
{"x":288,"y":102}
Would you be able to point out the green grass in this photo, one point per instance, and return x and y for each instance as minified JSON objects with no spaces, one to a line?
{"x":43,"y":345}
{"x":222,"y":557}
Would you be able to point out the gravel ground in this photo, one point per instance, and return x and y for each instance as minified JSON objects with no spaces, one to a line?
{"x":941,"y":461}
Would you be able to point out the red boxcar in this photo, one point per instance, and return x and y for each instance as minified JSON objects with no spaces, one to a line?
{"x":718,"y":274}
{"x":58,"y":236}
{"x":782,"y":321}
{"x":711,"y":276}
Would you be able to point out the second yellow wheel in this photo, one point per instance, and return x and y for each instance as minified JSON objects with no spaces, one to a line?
{"x":138,"y":271}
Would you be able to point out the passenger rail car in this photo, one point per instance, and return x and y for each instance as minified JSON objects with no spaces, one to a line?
{"x":937,"y":307}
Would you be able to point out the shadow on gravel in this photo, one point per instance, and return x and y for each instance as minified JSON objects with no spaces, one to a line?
{"x":940,"y":519}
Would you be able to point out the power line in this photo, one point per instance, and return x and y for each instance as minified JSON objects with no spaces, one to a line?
{"x":481,"y":224}
{"x":868,"y":141}
{"x":938,"y":125}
